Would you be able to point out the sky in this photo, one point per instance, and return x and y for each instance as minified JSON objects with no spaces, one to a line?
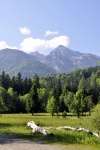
{"x":42,"y":25}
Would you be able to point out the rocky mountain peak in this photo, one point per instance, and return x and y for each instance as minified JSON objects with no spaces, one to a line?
{"x":60,"y":50}
{"x":38,"y":56}
{"x":63,"y":59}
{"x":64,"y":52}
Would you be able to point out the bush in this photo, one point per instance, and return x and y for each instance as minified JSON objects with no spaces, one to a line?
{"x":64,"y":114}
{"x":96,"y":117}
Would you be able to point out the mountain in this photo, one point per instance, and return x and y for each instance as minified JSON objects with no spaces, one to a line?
{"x":60,"y":60}
{"x":63,"y":59}
{"x":14,"y":61}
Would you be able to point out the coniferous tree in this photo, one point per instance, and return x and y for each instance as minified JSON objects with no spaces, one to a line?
{"x":13,"y":83}
{"x":36,"y":80}
{"x":32,"y":103}
{"x":8,"y":82}
{"x":19,"y":83}
{"x":5,"y":81}
{"x":62,"y":104}
{"x":88,"y":104}
{"x":27,"y":83}
{"x":2,"y":80}
{"x":50,"y":83}
{"x":82,"y":83}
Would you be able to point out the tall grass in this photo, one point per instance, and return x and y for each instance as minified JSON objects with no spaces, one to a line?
{"x":17,"y":124}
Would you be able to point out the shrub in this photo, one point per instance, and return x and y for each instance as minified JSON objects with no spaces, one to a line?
{"x":64,"y":114}
{"x":96,"y":117}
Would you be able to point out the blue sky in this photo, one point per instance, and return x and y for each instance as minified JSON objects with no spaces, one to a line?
{"x":42,"y":25}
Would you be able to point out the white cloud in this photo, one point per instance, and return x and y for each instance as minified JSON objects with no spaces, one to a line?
{"x":31,"y":44}
{"x":51,"y":33}
{"x":60,"y":40}
{"x":4,"y":45}
{"x":35,"y":44}
{"x":25,"y":30}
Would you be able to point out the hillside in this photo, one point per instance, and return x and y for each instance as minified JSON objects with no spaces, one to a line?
{"x":14,"y":61}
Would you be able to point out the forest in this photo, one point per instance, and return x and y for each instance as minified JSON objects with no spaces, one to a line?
{"x":76,"y":92}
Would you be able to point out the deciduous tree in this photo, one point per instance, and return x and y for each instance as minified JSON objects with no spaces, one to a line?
{"x":78,"y":103}
{"x":52,"y":106}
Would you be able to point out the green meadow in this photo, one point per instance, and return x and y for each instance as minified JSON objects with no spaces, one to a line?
{"x":17,"y":124}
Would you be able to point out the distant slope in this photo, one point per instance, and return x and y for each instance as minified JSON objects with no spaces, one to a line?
{"x":14,"y":61}
{"x":63,"y":59}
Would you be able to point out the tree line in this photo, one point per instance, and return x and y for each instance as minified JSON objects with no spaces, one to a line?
{"x":76,"y":92}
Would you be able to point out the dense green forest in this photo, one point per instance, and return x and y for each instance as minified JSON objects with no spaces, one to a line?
{"x":76,"y":92}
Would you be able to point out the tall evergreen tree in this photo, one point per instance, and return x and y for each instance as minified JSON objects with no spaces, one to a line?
{"x":27,"y":83}
{"x":19,"y":83}
{"x":2,"y":79}
{"x":13,"y":83}
{"x":82,"y":83}
{"x":88,"y":104}
{"x":5,"y":81}
{"x":36,"y":80}
{"x":50,"y":83}
{"x":58,"y":87}
{"x":32,"y":103}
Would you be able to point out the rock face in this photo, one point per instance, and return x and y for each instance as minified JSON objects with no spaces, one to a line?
{"x":63,"y":59}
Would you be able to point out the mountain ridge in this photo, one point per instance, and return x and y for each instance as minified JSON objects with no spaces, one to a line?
{"x":60,"y":60}
{"x":14,"y":61}
{"x":63,"y":59}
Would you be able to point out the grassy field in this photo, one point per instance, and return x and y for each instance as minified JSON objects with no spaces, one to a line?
{"x":17,"y":124}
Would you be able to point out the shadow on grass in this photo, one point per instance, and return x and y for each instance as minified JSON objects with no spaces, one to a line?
{"x":5,"y":125}
{"x":59,"y":137}
{"x":62,"y":138}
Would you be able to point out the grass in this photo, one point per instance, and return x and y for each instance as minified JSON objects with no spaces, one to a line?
{"x":17,"y":124}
